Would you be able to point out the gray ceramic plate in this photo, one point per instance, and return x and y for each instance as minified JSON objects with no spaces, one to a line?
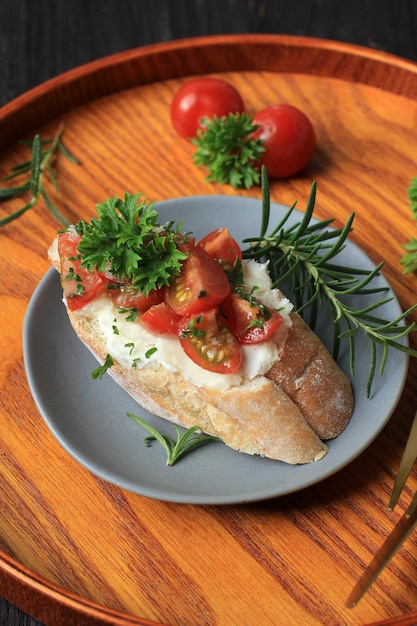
{"x":89,"y":419}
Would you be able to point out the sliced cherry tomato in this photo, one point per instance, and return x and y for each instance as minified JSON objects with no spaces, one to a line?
{"x":201,"y":99}
{"x":289,"y":139}
{"x":127,"y":296}
{"x":80,"y":286}
{"x":160,"y":319}
{"x":201,"y":285}
{"x":220,"y":245}
{"x":184,"y":242}
{"x":248,"y":319}
{"x":209,"y":343}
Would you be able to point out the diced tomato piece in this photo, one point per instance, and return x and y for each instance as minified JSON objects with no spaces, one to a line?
{"x":220,"y":245}
{"x":80,"y":285}
{"x":184,"y":242}
{"x":160,"y":319}
{"x":128,"y":297}
{"x":201,"y":285}
{"x":209,"y":343}
{"x":248,"y":319}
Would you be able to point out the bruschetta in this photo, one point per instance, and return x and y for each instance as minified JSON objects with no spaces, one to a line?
{"x":198,"y":336}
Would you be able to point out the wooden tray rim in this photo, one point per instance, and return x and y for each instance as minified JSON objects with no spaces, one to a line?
{"x":25,"y":589}
{"x":40,"y":104}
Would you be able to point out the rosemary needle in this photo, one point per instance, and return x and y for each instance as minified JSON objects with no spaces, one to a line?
{"x":175,"y":450}
{"x":43,"y":153}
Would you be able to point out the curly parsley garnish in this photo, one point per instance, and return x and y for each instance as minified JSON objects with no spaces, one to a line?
{"x":228,"y":151}
{"x":131,"y":313}
{"x":127,"y":241}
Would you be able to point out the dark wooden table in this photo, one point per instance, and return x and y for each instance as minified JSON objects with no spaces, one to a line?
{"x":40,"y":40}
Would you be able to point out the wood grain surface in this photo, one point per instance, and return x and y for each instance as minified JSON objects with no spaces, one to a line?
{"x":79,"y":550}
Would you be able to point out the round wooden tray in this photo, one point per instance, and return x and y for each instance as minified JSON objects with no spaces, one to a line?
{"x":76,"y":549}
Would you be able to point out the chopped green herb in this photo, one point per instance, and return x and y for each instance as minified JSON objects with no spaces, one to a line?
{"x":192,"y":331}
{"x":100,"y":371}
{"x":72,"y":275}
{"x":235,"y":274}
{"x":150,"y":352}
{"x":132,"y":313}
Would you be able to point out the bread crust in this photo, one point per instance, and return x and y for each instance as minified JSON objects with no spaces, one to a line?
{"x":312,"y":379}
{"x":284,"y":416}
{"x":256,"y":418}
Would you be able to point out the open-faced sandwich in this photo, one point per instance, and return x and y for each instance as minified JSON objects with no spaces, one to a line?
{"x":198,"y":336}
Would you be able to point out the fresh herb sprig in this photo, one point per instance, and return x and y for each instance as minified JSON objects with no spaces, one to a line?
{"x":409,"y":260}
{"x":227,"y":150}
{"x":127,"y":240}
{"x":192,"y":438}
{"x":43,"y":154}
{"x":304,"y":253}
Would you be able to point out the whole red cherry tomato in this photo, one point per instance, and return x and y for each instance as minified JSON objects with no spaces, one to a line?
{"x":201,"y":99}
{"x":289,"y":139}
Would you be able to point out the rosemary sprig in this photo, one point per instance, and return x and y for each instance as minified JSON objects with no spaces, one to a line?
{"x":175,"y":450}
{"x":303,"y":254}
{"x":43,"y":153}
{"x":409,"y":260}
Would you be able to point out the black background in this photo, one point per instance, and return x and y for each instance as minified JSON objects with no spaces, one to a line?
{"x":41,"y":39}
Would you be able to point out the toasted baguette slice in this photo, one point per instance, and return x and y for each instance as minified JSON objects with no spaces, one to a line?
{"x":257,"y":417}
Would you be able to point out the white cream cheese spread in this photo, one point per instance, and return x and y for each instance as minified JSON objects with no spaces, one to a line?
{"x":132,"y":345}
